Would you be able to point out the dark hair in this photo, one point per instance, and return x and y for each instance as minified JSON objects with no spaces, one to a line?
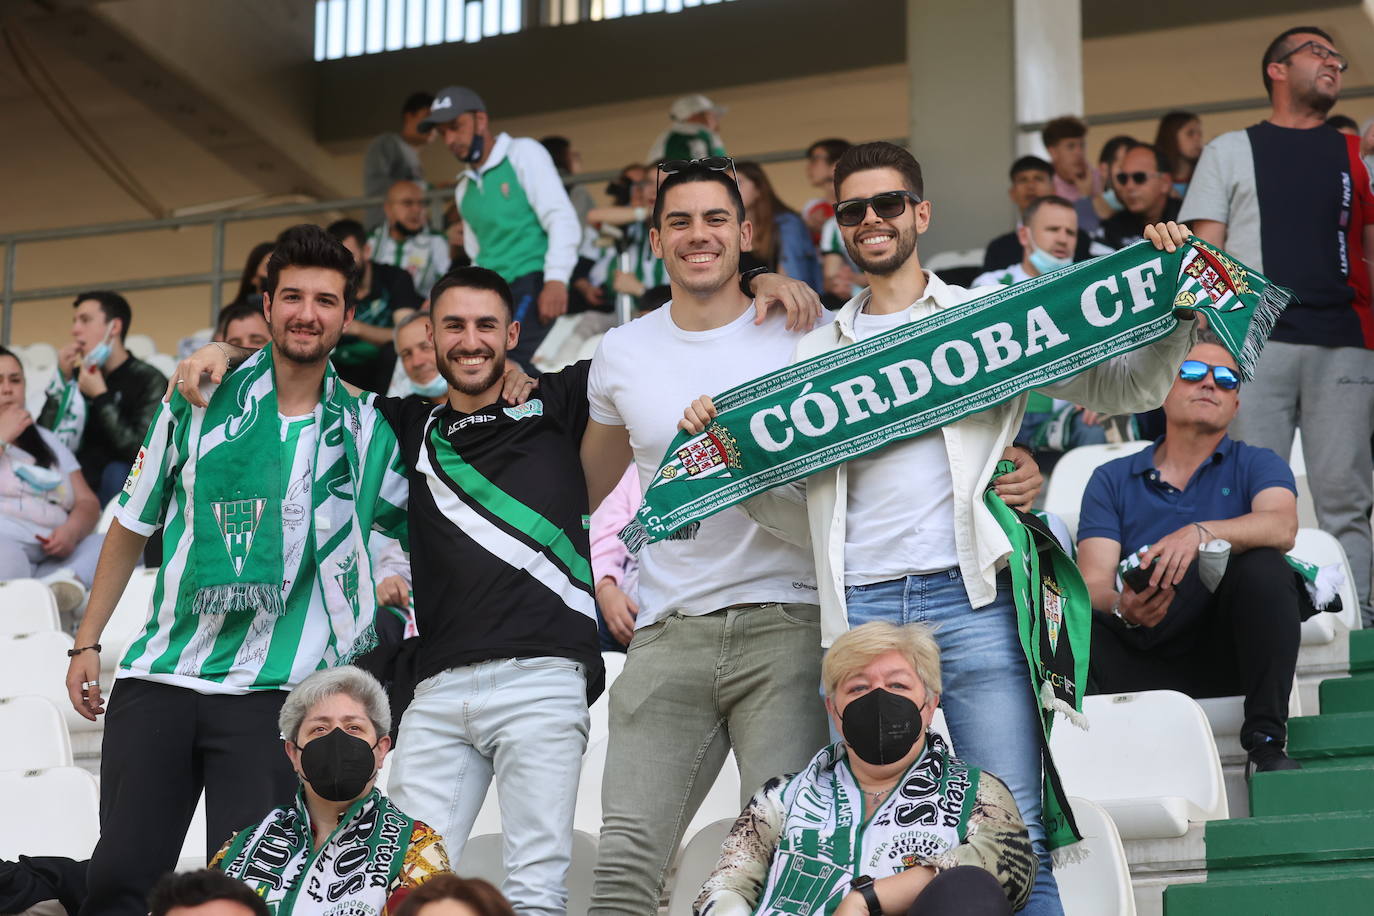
{"x":417,"y":101}
{"x":694,"y":173}
{"x":1161,"y":164}
{"x":113,"y":305}
{"x":1030,"y":164}
{"x":1111,"y":146}
{"x":560,"y":150}
{"x":833,"y":148}
{"x":482,"y":897}
{"x":472,"y":278}
{"x":236,"y":311}
{"x":618,"y":188}
{"x":194,"y":888}
{"x":766,"y":210}
{"x":1066,"y":128}
{"x":1343,"y":122}
{"x":307,"y":245}
{"x":1049,"y":200}
{"x":345,"y":229}
{"x":881,"y":155}
{"x":247,"y":280}
{"x":30,"y":440}
{"x":1279,"y":47}
{"x":1166,"y":138}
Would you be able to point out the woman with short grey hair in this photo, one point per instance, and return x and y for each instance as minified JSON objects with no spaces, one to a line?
{"x":342,"y":838}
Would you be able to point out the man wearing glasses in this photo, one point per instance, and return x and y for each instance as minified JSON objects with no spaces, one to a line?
{"x":1290,"y":197}
{"x":1144,"y":182}
{"x":1176,"y":626}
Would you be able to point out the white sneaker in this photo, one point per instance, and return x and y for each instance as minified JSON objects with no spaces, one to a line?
{"x":68,"y":591}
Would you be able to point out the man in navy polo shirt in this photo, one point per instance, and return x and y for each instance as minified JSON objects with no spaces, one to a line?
{"x":1196,"y":485}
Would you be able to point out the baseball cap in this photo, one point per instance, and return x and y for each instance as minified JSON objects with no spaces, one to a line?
{"x":689,"y":105}
{"x":450,"y":103}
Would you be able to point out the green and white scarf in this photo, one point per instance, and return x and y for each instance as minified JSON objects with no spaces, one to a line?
{"x":924,"y":374}
{"x":236,"y":563}
{"x":69,"y":422}
{"x":353,"y":872}
{"x":825,"y":842}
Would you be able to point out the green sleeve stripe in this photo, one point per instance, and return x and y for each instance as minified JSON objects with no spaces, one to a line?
{"x":509,"y":509}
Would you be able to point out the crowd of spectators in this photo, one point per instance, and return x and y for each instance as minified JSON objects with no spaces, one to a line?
{"x":505,"y":597}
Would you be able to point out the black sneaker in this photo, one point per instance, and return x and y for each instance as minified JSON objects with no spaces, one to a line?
{"x":1269,"y":757}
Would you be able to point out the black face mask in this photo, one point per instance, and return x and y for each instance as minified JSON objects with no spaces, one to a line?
{"x":338,"y":765}
{"x":880,"y":726}
{"x":476,"y":148}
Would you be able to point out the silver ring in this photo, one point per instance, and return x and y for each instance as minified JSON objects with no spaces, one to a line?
{"x":89,"y":684}
{"x":178,"y":381}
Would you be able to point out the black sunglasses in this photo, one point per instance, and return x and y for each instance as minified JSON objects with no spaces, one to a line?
{"x":887,"y":205}
{"x":1134,"y":177}
{"x":1195,"y":370}
{"x":709,"y":164}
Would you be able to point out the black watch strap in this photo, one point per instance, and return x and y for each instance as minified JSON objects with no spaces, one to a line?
{"x":864,"y":885}
{"x":747,"y":278}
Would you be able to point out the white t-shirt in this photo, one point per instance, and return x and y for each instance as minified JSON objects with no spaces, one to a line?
{"x":1007,"y":276}
{"x":27,"y":510}
{"x":643,"y":376}
{"x":900,"y":517}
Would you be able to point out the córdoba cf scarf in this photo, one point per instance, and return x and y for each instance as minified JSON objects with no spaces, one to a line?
{"x":919,"y":376}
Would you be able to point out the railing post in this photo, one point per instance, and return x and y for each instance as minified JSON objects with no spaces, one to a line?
{"x":216,"y":268}
{"x":7,"y":322}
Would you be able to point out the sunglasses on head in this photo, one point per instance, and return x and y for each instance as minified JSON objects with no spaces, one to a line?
{"x":709,"y":164}
{"x":887,"y":205}
{"x":1195,"y":370}
{"x":1134,"y":177}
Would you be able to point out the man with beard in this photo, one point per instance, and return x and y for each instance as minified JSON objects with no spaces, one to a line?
{"x":1290,"y":197}
{"x":265,"y":577}
{"x":886,"y":549}
{"x":508,"y":656}
{"x":405,"y":240}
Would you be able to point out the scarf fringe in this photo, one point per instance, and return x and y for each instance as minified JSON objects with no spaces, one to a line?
{"x":1327,"y":586}
{"x":635,"y":536}
{"x":1072,"y":854}
{"x":1051,"y":702}
{"x":1272,"y":301}
{"x":247,"y":596}
{"x":365,"y":643}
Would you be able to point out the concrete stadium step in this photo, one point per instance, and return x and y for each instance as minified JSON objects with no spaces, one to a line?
{"x":1331,"y":736}
{"x":1325,"y":888}
{"x":1348,"y":694}
{"x":1336,"y":789}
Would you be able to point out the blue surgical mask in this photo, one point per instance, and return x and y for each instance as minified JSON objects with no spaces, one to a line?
{"x":40,"y":478}
{"x":1045,"y":262}
{"x":1109,"y":195}
{"x":101,"y":354}
{"x":430,"y":389}
{"x":1181,"y":189}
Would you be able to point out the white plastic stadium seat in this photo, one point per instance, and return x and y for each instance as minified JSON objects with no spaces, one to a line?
{"x":944,"y":260}
{"x":37,"y":735}
{"x":140,"y":345}
{"x":722,"y":800}
{"x":193,"y":852}
{"x":27,"y":606}
{"x":695,"y":864}
{"x":130,"y":614}
{"x":1149,"y":758}
{"x":1064,"y":493}
{"x":35,"y":664}
{"x":39,"y":357}
{"x":52,"y":812}
{"x":482,"y":858}
{"x":162,"y":362}
{"x":107,"y":515}
{"x":1316,"y":546}
{"x":1100,"y":882}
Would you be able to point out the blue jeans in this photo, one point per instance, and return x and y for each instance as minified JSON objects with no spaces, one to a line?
{"x":989,"y":705}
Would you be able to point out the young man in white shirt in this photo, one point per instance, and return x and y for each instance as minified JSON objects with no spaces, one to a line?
{"x":886,"y":549}
{"x":726,"y":652}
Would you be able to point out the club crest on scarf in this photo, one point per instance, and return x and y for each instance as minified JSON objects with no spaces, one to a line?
{"x":713,"y":453}
{"x":1221,"y":278}
{"x":1052,"y":599}
{"x":238,"y":520}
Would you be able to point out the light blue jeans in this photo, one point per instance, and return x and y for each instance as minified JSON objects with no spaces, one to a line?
{"x":523,"y":720}
{"x":989,"y":706}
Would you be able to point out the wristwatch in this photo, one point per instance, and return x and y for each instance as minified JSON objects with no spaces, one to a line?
{"x":864,"y":885}
{"x":746,"y":278}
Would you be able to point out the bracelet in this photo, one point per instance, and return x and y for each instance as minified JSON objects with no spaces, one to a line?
{"x":1203,"y":533}
{"x":73,"y":653}
{"x":1116,"y":610}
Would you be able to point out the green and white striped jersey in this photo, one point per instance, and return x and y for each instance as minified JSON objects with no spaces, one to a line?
{"x":424,"y":255}
{"x":239,"y":652}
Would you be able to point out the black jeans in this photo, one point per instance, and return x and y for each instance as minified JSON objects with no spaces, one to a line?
{"x":524,"y":292}
{"x":1242,"y":639}
{"x":965,"y":890}
{"x":162,"y":745}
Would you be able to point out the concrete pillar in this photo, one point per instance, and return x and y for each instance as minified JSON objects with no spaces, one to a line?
{"x":976,"y":69}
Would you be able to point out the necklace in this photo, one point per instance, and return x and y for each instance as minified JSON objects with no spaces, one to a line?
{"x":877,"y":795}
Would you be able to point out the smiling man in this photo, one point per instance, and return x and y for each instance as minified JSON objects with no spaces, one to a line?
{"x":1177,"y":632}
{"x":264,"y":577}
{"x":1290,"y":197}
{"x":509,"y":656}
